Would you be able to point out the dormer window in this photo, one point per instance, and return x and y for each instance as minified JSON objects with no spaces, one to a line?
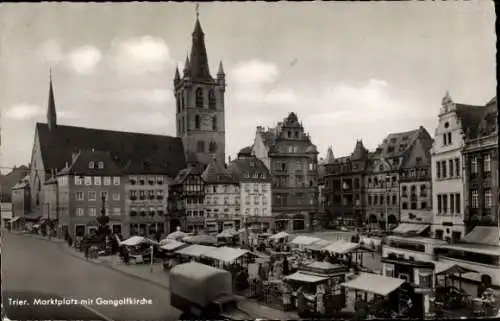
{"x":100,"y":165}
{"x":91,"y":165}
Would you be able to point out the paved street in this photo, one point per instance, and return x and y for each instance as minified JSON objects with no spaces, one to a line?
{"x":37,"y":269}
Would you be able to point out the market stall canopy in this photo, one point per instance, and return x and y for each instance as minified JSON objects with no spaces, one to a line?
{"x":374,"y":283}
{"x":279,"y":236}
{"x":202,"y":239}
{"x":405,"y":228}
{"x":173,"y":245}
{"x":227,"y":233}
{"x":226,"y":254}
{"x":195,"y":250}
{"x":319,"y":245}
{"x":332,"y":248}
{"x":177,"y":234}
{"x":303,"y":277}
{"x":450,"y":268}
{"x":136,"y":240}
{"x":305,"y":240}
{"x":14,"y":219}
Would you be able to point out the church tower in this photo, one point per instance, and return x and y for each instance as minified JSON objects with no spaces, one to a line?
{"x":200,"y":105}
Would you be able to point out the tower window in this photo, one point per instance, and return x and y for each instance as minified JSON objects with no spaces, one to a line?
{"x":214,"y":123}
{"x":199,"y":98}
{"x":201,"y":147}
{"x":197,"y":121}
{"x":212,"y":101}
{"x":212,"y":147}
{"x":179,"y":97}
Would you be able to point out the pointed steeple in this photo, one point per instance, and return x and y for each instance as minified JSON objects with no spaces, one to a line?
{"x":221,"y":70}
{"x":51,"y":108}
{"x":187,"y":67}
{"x":199,"y":60}
{"x":177,"y":76}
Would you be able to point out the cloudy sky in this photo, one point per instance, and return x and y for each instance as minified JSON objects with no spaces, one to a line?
{"x":362,"y":69}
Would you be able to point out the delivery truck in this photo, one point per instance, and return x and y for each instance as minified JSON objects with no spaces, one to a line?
{"x":204,"y":292}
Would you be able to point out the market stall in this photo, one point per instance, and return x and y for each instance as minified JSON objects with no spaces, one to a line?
{"x":384,"y":297}
{"x":316,"y":289}
{"x":301,"y":241}
{"x":169,"y":246}
{"x":194,"y":251}
{"x":228,"y":236}
{"x":451,"y":296}
{"x":202,"y":239}
{"x":177,"y":235}
{"x":139,"y":249}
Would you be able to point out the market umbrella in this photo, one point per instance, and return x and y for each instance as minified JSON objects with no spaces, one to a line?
{"x":136,"y":240}
{"x":177,"y":235}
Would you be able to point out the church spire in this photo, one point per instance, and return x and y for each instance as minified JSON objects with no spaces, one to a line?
{"x":199,"y":60}
{"x":51,"y":108}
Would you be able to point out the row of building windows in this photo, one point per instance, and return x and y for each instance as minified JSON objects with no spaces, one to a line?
{"x":475,"y":163}
{"x":222,"y":189}
{"x":386,"y":181}
{"x":298,"y":166}
{"x":145,"y":210}
{"x":200,"y":147}
{"x":151,"y":180}
{"x":92,"y":196}
{"x":379,"y":199}
{"x":487,"y":201}
{"x":210,"y":213}
{"x":200,"y":100}
{"x":97,"y":180}
{"x":92,"y":211}
{"x":413,"y":190}
{"x":450,"y":171}
{"x":149,"y":194}
{"x":225,"y":201}
{"x":448,"y":204}
{"x":414,"y":206}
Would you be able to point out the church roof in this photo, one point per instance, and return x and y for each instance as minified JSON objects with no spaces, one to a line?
{"x":250,"y":168}
{"x":87,"y":162}
{"x":127,"y":149}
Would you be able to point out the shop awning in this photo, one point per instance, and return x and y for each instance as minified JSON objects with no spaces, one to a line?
{"x":136,"y":240}
{"x":226,"y":254}
{"x":473,"y":248}
{"x":303,"y":277}
{"x":305,"y":240}
{"x":279,"y":236}
{"x":195,"y":250}
{"x":172,"y":245}
{"x":14,"y":219}
{"x":489,"y":235}
{"x":405,"y":228}
{"x":374,"y":283}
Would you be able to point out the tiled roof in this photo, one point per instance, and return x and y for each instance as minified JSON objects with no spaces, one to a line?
{"x":216,"y":173}
{"x":488,"y":124}
{"x":87,"y":162}
{"x":245,"y":151}
{"x":22,"y":183}
{"x":470,"y":117}
{"x":398,"y":144}
{"x":250,"y":168}
{"x":184,"y":173}
{"x":126,"y":149}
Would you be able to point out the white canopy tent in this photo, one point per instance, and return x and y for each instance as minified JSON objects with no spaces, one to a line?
{"x":226,"y":254}
{"x":195,"y":250}
{"x":173,"y":245}
{"x":137,"y":240}
{"x":280,"y":236}
{"x":227,"y":233}
{"x":177,"y":235}
{"x":374,"y":283}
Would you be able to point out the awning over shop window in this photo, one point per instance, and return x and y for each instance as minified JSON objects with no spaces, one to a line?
{"x":405,"y":228}
{"x":488,"y":235}
{"x":374,"y":283}
{"x":302,"y":277}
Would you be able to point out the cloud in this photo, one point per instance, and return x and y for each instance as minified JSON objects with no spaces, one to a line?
{"x":24,"y":111}
{"x":142,"y":54}
{"x":84,"y":59}
{"x":157,"y":96}
{"x":254,"y":73}
{"x":51,"y":51}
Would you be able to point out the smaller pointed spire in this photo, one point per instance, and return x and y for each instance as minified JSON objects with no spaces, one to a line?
{"x":187,"y":66}
{"x":221,"y":70}
{"x":177,"y":75}
{"x":329,"y":155}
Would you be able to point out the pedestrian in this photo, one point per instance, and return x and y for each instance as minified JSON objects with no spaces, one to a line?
{"x":86,"y":248}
